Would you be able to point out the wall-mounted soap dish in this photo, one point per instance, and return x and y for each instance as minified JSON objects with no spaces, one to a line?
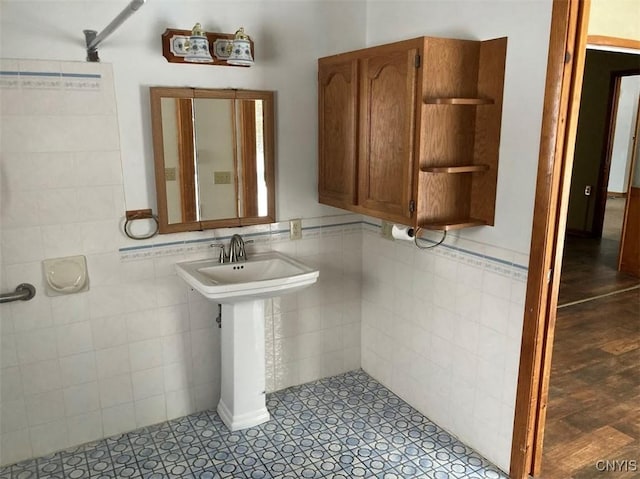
{"x":65,"y":275}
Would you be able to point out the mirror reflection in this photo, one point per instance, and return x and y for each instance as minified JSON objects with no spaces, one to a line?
{"x":214,"y":157}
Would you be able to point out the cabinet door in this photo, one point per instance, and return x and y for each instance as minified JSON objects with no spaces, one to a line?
{"x":387,"y":118}
{"x":337,"y":130}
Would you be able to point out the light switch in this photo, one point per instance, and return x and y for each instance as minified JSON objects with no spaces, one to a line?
{"x":170,"y":174}
{"x":221,"y":177}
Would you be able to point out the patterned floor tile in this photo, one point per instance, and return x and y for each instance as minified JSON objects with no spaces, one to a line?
{"x":347,"y":426}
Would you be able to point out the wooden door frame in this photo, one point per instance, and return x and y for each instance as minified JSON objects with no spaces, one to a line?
{"x":632,"y":168}
{"x":607,"y":153}
{"x":565,"y":69}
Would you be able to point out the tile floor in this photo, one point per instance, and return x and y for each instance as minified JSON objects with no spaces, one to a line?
{"x":346,"y":426}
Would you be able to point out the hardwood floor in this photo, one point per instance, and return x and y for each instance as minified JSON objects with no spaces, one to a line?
{"x":589,"y":268}
{"x":594,"y":397}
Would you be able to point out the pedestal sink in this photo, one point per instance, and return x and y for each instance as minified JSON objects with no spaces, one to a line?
{"x":241,"y":288}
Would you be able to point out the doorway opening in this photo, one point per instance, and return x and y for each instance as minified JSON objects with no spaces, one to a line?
{"x":596,"y":348}
{"x":567,"y":52}
{"x":600,"y":178}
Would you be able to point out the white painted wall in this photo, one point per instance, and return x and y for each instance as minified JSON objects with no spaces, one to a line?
{"x":615,"y":18}
{"x":139,"y":337}
{"x":289,"y":36}
{"x":621,"y":153}
{"x":526,"y":24}
{"x":442,"y":328}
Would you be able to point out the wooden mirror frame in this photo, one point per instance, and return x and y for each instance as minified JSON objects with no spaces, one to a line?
{"x":192,"y":224}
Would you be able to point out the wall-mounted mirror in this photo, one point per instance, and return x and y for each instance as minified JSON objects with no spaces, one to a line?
{"x":214,"y":157}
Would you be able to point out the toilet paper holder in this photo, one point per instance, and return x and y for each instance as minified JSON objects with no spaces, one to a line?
{"x":408,"y":233}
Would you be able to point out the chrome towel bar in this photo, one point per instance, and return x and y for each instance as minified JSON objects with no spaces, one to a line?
{"x":24,"y":292}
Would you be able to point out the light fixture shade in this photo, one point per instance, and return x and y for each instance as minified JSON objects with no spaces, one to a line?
{"x":240,"y":50}
{"x":198,"y":47}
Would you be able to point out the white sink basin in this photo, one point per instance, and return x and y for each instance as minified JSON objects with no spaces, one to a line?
{"x":263,"y":275}
{"x":241,"y":288}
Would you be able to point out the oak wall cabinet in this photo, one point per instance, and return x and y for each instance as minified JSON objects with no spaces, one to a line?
{"x":409,"y":132}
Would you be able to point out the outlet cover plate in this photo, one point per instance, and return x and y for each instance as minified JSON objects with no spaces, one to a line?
{"x":221,"y":177}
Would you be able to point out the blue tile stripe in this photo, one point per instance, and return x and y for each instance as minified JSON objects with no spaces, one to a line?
{"x":50,"y":74}
{"x":312,"y":228}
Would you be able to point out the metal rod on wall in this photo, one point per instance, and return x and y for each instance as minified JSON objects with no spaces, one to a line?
{"x":93,"y":38}
{"x":23,"y":292}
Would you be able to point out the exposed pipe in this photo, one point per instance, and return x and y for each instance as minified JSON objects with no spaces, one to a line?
{"x":93,"y":38}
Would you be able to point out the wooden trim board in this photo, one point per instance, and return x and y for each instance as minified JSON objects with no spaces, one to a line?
{"x":567,"y":50}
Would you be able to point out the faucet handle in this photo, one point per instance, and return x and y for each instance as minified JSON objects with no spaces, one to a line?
{"x":223,"y":257}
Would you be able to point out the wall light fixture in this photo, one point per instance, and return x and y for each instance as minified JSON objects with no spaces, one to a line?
{"x":198,"y":46}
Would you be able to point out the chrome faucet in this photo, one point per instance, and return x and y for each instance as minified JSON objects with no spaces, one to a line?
{"x":236,"y":249}
{"x":236,"y":252}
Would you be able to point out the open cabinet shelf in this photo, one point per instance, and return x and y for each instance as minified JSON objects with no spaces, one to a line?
{"x":454,"y":224}
{"x":459,"y":101}
{"x":419,"y":131}
{"x":455,"y":169}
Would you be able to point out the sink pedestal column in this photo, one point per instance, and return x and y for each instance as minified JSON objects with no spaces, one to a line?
{"x":242,"y":392}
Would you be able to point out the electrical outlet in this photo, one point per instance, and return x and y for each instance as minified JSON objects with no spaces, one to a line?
{"x":587,"y":190}
{"x":170,"y":174}
{"x":385,"y":230}
{"x":221,"y":177}
{"x":295,"y":229}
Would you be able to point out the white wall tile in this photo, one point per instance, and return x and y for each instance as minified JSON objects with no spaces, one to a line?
{"x":145,"y":354}
{"x":177,"y":376}
{"x":150,"y":410}
{"x":37,"y":345}
{"x":15,"y":446}
{"x":147,"y":383}
{"x":78,"y":369}
{"x":108,"y":332}
{"x":58,"y":206}
{"x":113,"y":361}
{"x":21,"y":245}
{"x":13,"y":416}
{"x":85,"y":427}
{"x":10,"y":384}
{"x":118,"y":419}
{"x":495,"y":313}
{"x":95,"y":203}
{"x":74,"y":338}
{"x":41,"y":377}
{"x":31,"y":315}
{"x":180,"y":403}
{"x":81,"y":399}
{"x":176,"y":348}
{"x":99,"y":236}
{"x":45,"y":407}
{"x":115,"y":390}
{"x":95,"y":168}
{"x":70,"y":309}
{"x":49,"y":437}
{"x":22,"y":210}
{"x":142,"y":325}
{"x":207,"y":395}
{"x":61,"y":240}
{"x":173,"y":319}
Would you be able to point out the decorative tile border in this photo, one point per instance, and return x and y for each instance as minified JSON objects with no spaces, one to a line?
{"x":315,"y":228}
{"x":497,"y":265}
{"x":49,"y":80}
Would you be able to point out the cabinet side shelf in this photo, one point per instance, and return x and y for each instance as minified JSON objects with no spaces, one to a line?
{"x":454,"y":169}
{"x":459,"y":101}
{"x":453,"y":224}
